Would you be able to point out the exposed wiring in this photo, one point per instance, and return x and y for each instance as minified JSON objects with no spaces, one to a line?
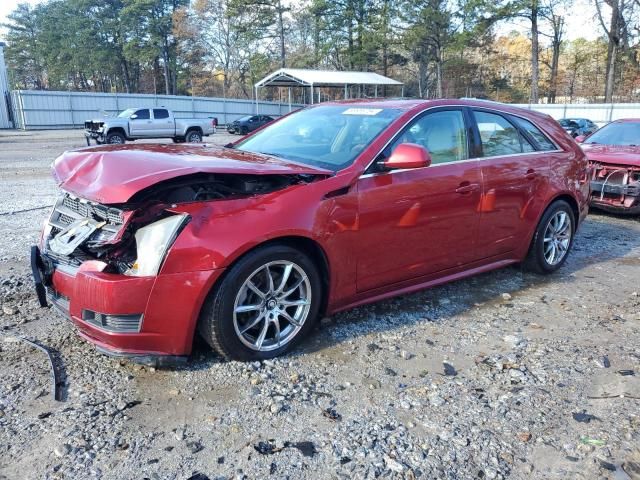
{"x":607,"y":179}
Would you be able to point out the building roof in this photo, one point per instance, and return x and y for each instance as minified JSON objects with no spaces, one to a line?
{"x":296,"y":77}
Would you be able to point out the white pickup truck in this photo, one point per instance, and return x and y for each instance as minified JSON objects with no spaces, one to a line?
{"x":139,"y":123}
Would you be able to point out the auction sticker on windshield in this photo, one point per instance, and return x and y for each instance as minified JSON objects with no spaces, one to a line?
{"x":362,"y":111}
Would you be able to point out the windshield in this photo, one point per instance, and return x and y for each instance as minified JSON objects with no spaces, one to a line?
{"x":623,"y":133}
{"x":244,"y":119}
{"x":127,"y":113}
{"x":328,"y":137}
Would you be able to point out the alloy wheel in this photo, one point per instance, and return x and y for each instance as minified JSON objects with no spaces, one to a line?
{"x":557,"y":237}
{"x":272,"y":305}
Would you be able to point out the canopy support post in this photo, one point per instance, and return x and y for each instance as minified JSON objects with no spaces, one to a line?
{"x":346,"y":90}
{"x":256,"y":100}
{"x":312,"y":94}
{"x":289,"y":99}
{"x":376,"y":91}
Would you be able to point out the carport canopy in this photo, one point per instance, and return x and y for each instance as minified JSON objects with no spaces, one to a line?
{"x":297,"y":77}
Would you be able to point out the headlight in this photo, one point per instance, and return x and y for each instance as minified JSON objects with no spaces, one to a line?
{"x":152,"y":243}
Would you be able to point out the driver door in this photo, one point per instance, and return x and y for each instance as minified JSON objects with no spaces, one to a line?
{"x":420,"y":221}
{"x":140,"y":123}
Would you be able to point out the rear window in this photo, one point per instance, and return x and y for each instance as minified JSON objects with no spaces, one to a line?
{"x":498,"y":136}
{"x":160,"y":113}
{"x":541,"y":139}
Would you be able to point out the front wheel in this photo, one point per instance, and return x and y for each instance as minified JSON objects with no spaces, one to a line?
{"x":266,"y":303}
{"x":178,"y":139}
{"x":552,"y":239}
{"x":115,"y":138}
{"x":194,"y":136}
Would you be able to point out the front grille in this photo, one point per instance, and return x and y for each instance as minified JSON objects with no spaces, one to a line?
{"x":69,"y":209}
{"x":113,"y":323}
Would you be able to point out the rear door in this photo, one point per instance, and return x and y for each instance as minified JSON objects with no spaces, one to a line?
{"x":420,"y":221}
{"x":163,"y":123}
{"x":514,"y":171}
{"x":140,"y":123}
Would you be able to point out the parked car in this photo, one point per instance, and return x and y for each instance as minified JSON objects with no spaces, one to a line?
{"x":578,"y":126}
{"x":248,"y":124}
{"x":139,"y":123}
{"x":614,"y":154}
{"x":251,"y":243}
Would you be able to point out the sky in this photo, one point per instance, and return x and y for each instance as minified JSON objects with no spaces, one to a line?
{"x":579,"y":19}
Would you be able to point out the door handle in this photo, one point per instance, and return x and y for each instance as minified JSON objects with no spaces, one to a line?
{"x":466,"y":187}
{"x":531,"y":174}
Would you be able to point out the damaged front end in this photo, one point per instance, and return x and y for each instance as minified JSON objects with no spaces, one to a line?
{"x":94,"y":130}
{"x":615,"y":188}
{"x":132,"y":238}
{"x":100,"y":264}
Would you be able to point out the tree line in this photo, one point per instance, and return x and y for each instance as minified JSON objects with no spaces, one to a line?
{"x":438,"y":48}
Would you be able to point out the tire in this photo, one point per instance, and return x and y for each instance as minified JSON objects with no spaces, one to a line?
{"x":115,"y":138}
{"x":244,"y":131}
{"x":178,"y":140}
{"x":231,"y":332}
{"x":193,"y":136}
{"x":549,"y":250}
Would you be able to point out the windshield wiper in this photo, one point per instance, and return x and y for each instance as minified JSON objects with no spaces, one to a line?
{"x":271,"y":154}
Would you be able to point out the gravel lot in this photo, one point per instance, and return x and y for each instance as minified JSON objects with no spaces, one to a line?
{"x":505,"y":375}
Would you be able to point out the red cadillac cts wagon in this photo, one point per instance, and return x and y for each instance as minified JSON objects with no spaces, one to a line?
{"x":330,"y":207}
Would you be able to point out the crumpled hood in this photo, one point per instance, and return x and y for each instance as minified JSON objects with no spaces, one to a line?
{"x":615,"y":154}
{"x":114,"y":173}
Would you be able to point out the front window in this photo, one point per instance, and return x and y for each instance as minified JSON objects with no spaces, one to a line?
{"x":617,"y":133}
{"x":330,"y":136}
{"x":443,"y":134}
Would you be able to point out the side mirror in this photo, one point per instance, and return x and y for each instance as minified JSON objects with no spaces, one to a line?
{"x":408,"y":155}
{"x":581,"y":138}
{"x":133,"y":117}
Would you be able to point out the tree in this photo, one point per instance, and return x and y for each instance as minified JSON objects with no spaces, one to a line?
{"x":24,"y":53}
{"x":624,"y":25}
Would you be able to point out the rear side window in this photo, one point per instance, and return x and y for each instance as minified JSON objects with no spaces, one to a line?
{"x":543,"y":142}
{"x":160,"y":113}
{"x":142,"y":114}
{"x":499,"y":137}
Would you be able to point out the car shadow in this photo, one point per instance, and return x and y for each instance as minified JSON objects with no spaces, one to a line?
{"x":601,"y":238}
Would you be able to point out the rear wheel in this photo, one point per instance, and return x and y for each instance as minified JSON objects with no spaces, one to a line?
{"x":552,"y":239}
{"x":194,"y":136}
{"x":115,"y":138}
{"x":266,"y":303}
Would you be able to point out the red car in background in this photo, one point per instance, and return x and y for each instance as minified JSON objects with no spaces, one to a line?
{"x":328,"y":208}
{"x":614,"y":155}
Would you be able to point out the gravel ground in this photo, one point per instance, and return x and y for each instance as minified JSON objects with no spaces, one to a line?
{"x":505,"y":375}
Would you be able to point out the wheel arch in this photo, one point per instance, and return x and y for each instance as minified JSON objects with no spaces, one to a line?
{"x":116,"y":130}
{"x":570,"y":199}
{"x":567,"y":197}
{"x":306,"y":245}
{"x":193,"y":129}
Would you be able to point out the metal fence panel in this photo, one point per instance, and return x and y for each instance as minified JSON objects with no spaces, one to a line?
{"x":35,"y":109}
{"x":599,"y":113}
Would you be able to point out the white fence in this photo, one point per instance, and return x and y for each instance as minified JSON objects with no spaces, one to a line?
{"x":599,"y":113}
{"x":34,"y":109}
